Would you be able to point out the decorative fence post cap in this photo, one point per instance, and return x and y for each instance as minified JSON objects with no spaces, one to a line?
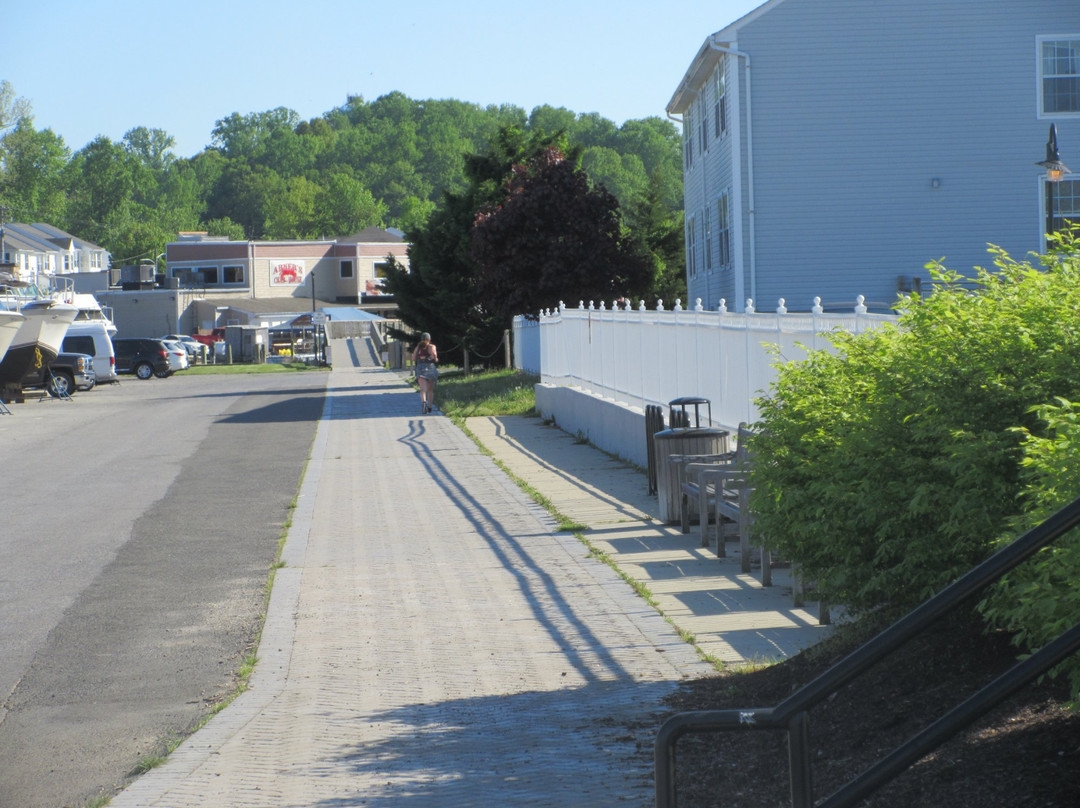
{"x":817,"y":306}
{"x":782,"y":307}
{"x":722,"y":308}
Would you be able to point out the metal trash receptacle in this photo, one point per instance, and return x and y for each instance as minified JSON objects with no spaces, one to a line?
{"x":681,"y":441}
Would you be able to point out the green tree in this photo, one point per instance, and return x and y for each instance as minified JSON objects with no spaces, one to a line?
{"x":592,"y":130}
{"x":414,"y":214}
{"x":437,"y":293}
{"x":290,"y":214}
{"x":32,"y":181}
{"x":658,"y":230}
{"x":246,"y":137}
{"x":101,"y":182}
{"x":343,"y":206}
{"x":225,"y":227}
{"x":551,"y":120}
{"x":13,"y":109}
{"x":244,"y":194}
{"x":152,"y":148}
{"x":621,"y":174}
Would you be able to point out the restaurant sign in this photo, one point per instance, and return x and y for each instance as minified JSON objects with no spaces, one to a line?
{"x":286,"y":273}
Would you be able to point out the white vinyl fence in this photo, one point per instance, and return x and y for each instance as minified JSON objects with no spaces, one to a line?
{"x":641,"y":357}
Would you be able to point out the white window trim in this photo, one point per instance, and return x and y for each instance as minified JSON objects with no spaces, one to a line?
{"x":1040,"y":110}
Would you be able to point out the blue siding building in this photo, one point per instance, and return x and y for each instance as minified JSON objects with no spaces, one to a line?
{"x":833,"y":148}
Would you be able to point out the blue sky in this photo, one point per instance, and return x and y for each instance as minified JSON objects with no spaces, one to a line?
{"x":101,"y":67}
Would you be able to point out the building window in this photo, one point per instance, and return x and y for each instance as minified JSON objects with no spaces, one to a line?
{"x":68,"y":262}
{"x":1066,"y":204}
{"x":720,"y":107}
{"x":707,"y":224}
{"x":183,"y":275}
{"x":723,"y":229}
{"x":688,"y":139}
{"x":703,"y":127}
{"x":233,"y":274}
{"x":346,"y":269}
{"x":691,"y":246}
{"x":207,"y":276}
{"x":1059,"y":71}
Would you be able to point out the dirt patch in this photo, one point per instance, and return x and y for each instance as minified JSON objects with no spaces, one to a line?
{"x":1025,"y":753}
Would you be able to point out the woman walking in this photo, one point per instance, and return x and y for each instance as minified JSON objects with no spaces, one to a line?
{"x":425,"y":357}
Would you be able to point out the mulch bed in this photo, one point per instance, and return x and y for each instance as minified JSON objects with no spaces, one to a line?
{"x":1025,"y":753}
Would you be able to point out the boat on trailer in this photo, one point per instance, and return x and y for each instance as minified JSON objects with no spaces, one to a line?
{"x":39,"y":336}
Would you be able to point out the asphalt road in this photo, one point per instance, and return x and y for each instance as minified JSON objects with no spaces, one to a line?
{"x":138,"y":525}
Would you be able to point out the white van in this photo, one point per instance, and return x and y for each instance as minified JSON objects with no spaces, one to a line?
{"x":89,"y":337}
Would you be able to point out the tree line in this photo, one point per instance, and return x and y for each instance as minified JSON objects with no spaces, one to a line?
{"x":391,"y":162}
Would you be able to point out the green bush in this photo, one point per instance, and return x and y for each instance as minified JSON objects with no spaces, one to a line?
{"x":1040,"y":599}
{"x":890,"y":467}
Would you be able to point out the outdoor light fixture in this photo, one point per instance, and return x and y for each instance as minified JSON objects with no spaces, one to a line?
{"x":1055,"y":171}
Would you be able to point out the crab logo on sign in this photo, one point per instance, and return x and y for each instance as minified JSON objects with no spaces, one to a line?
{"x":287,"y":273}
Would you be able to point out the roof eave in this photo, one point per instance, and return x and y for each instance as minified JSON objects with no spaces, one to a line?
{"x":700,"y":69}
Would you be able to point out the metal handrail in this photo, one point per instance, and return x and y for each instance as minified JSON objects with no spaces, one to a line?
{"x":791,"y":714}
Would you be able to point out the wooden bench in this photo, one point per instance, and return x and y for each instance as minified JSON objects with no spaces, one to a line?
{"x":716,"y":487}
{"x":720,"y":491}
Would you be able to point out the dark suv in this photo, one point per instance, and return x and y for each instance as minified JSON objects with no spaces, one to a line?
{"x":145,"y":358}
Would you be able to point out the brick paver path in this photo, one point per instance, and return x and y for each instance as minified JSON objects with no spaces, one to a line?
{"x":431,"y":641}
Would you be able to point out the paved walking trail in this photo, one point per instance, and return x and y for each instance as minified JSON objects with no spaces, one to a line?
{"x":432,"y":641}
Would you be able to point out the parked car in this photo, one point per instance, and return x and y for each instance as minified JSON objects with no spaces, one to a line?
{"x":177,"y":355}
{"x":196,"y":350}
{"x":93,"y":338}
{"x":62,"y":376}
{"x":142,"y":356}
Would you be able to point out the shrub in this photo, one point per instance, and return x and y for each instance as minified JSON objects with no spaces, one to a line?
{"x":1040,"y":598}
{"x":890,"y":467}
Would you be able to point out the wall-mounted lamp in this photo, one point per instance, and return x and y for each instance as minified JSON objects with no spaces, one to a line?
{"x":935,"y":182}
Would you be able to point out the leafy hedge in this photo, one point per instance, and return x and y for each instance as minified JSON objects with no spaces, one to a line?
{"x":1041,"y":598}
{"x":890,"y":467}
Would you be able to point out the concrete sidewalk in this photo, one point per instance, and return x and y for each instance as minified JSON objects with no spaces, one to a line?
{"x":733,"y":618}
{"x":432,"y":639}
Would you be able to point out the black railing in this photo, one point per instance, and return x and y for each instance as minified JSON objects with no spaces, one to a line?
{"x":792,"y":714}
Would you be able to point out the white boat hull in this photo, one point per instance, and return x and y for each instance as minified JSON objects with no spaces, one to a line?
{"x":9,"y":327}
{"x":45,"y":322}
